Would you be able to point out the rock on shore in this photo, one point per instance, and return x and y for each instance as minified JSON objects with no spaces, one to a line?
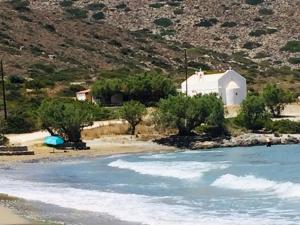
{"x":249,"y":139}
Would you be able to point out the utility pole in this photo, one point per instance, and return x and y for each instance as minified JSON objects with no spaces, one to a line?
{"x":186,"y":72}
{"x":3,"y":91}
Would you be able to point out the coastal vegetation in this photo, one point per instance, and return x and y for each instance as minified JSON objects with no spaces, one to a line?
{"x":276,"y":99}
{"x":147,"y":88}
{"x":66,"y":117}
{"x":187,"y":113}
{"x":132,"y":112}
{"x":253,"y":114}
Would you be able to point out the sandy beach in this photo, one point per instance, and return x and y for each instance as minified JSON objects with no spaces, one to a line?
{"x":8,"y":217}
{"x":104,"y":146}
{"x":99,"y":147}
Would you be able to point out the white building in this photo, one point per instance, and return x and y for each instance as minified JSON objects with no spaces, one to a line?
{"x":230,"y":86}
{"x":84,"y":95}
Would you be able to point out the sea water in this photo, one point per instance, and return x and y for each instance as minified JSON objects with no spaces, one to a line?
{"x":234,"y":186}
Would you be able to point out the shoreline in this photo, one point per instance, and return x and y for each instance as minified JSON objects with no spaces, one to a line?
{"x":118,"y":145}
{"x":125,"y":144}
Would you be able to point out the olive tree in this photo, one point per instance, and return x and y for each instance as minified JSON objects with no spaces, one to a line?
{"x":66,"y":117}
{"x":253,"y":114}
{"x":276,"y":99}
{"x":186,"y":113}
{"x":132,"y":112}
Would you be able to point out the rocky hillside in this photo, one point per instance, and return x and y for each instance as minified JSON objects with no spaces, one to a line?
{"x":67,"y":40}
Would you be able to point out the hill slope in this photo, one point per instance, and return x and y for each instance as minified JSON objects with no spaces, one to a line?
{"x":69,"y":40}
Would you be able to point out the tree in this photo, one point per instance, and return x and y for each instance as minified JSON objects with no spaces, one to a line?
{"x":150,"y":88}
{"x":276,"y":99}
{"x":104,"y":89}
{"x":253,"y":114}
{"x":187,"y":113}
{"x":66,"y":117}
{"x":216,"y":120}
{"x":132,"y":111}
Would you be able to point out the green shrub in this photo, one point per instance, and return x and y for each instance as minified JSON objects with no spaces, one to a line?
{"x":266,"y":11}
{"x":294,"y":60}
{"x":156,"y":5}
{"x":264,"y":31}
{"x":66,"y":3}
{"x":292,"y":46}
{"x":77,"y":13}
{"x":20,"y":5}
{"x":178,"y":11}
{"x":99,"y":16}
{"x":254,"y":2}
{"x":284,"y":127}
{"x":207,"y":22}
{"x":251,"y":45}
{"x":41,"y":68}
{"x":174,"y":3}
{"x":187,"y":113}
{"x":50,"y":27}
{"x":95,"y":6}
{"x":121,"y":6}
{"x":132,"y":112}
{"x":229,"y":24}
{"x":253,"y":114}
{"x":169,"y":32}
{"x":16,"y":79}
{"x":261,"y":55}
{"x":71,"y":91}
{"x":163,"y":22}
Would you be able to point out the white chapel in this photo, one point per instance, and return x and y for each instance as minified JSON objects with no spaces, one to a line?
{"x":230,"y":86}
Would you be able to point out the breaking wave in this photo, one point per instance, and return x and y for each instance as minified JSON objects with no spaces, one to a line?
{"x":252,"y":183}
{"x":174,"y":169}
{"x":127,"y":207}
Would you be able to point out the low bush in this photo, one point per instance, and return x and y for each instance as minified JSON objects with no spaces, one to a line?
{"x":99,"y":16}
{"x":156,"y":5}
{"x":265,"y":11}
{"x":284,"y":127}
{"x":251,"y":45}
{"x":50,"y":27}
{"x":178,"y":11}
{"x":292,"y":46}
{"x":66,"y":3}
{"x":174,"y":3}
{"x":16,"y":79}
{"x":229,"y":24}
{"x":254,"y":2}
{"x":294,"y":60}
{"x":163,"y":22}
{"x":207,"y":22}
{"x":77,"y":13}
{"x":20,"y":5}
{"x":95,"y":6}
{"x":263,"y":31}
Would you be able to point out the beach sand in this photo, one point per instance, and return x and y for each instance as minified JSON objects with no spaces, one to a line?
{"x":99,"y":147}
{"x":104,"y":146}
{"x":8,"y":217}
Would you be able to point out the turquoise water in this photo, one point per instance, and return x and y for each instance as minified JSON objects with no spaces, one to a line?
{"x":238,"y":186}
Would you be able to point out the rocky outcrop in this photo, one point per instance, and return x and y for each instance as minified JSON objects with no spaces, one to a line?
{"x":198,"y":142}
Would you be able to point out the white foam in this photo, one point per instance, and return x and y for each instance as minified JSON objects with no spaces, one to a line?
{"x":175,"y":169}
{"x":158,"y":156}
{"x":252,"y":183}
{"x":129,"y":207}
